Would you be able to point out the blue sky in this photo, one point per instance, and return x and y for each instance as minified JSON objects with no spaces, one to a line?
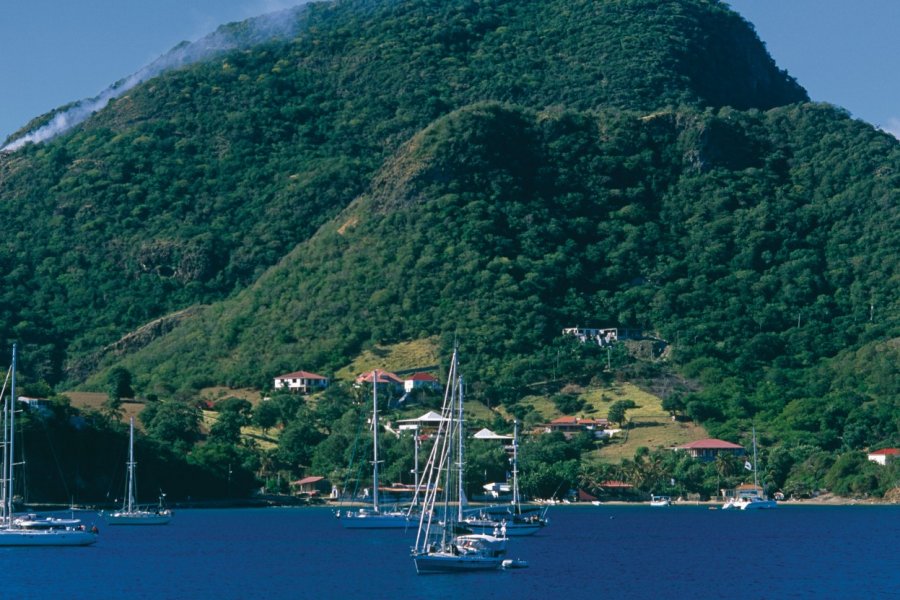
{"x":846,"y":52}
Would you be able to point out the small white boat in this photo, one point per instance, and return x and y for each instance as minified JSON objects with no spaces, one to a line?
{"x":660,"y":501}
{"x":131,"y":513}
{"x":514,"y":563}
{"x":749,"y":503}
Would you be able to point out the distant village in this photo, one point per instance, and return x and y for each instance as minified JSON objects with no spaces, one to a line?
{"x":401,"y":386}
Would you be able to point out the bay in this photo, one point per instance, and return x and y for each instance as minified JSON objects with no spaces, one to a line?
{"x":604,"y":551}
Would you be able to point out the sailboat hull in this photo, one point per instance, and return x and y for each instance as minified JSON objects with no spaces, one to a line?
{"x":362,"y":520}
{"x":750,"y":504}
{"x":511,"y":529}
{"x":445,"y":562}
{"x":138,"y":518}
{"x":46,"y":537}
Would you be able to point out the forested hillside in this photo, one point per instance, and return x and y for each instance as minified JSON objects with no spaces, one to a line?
{"x":188,"y":187}
{"x":486,"y":172}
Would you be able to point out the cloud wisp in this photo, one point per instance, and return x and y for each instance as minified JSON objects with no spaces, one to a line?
{"x":282,"y":24}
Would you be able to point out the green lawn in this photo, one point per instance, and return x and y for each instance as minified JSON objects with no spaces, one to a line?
{"x":650,"y":425}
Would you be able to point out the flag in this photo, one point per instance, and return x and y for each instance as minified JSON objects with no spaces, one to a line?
{"x":747,"y":465}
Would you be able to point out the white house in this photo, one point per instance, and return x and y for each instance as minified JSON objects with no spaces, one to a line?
{"x":430,"y":419}
{"x":420,"y":380}
{"x":884,"y":456}
{"x":487,"y":434}
{"x":301,"y":381}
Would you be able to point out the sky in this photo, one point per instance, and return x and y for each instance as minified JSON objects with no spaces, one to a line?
{"x":845,"y":52}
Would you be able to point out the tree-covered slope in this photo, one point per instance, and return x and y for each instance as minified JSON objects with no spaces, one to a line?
{"x":757,"y":252}
{"x":185,"y":189}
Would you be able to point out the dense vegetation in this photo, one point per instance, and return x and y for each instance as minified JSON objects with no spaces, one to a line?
{"x":488,"y":172}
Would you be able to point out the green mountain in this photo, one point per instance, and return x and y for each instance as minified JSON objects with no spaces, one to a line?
{"x":486,"y":171}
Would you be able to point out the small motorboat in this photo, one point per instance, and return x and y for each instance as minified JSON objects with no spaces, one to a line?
{"x":514,"y":563}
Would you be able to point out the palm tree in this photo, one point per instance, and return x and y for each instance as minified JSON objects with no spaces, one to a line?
{"x":726,"y":466}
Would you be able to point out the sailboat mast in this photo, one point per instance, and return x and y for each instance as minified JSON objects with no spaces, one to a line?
{"x":10,"y":442}
{"x":755,"y":477}
{"x":515,"y":498}
{"x":461,"y":441}
{"x":375,"y":440}
{"x":131,"y":466}
{"x":3,"y":507}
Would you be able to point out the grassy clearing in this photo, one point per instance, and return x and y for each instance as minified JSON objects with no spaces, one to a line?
{"x":652,"y":433}
{"x":651,"y":426}
{"x":214,"y":394}
{"x":96,"y":400}
{"x":598,"y":400}
{"x":266,"y":441}
{"x":397,"y":357}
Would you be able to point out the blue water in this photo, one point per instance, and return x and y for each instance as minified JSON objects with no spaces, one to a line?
{"x":586,"y":552}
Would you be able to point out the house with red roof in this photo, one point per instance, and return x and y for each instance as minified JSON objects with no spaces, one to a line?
{"x":707,"y":450}
{"x":310,"y":486}
{"x":884,"y":456}
{"x":301,"y":381}
{"x":421,"y":380}
{"x":570,"y":426}
{"x":383,"y":379}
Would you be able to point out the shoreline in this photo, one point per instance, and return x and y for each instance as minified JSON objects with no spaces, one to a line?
{"x":823,"y":500}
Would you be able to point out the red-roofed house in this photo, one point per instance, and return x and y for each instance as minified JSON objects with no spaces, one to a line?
{"x":384,"y":379}
{"x":708,"y":449}
{"x":309,"y":486}
{"x":301,"y":381}
{"x":884,"y":456}
{"x":420,"y":380}
{"x":569,"y":426}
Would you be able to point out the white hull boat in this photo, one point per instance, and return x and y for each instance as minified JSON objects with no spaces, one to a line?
{"x":475,"y":552}
{"x":368,"y":519}
{"x":131,"y":513}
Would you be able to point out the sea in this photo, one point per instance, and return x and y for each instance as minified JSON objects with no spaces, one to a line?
{"x":691,"y":552}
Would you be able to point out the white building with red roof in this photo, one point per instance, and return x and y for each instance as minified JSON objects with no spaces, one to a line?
{"x":571,"y":425}
{"x":421,"y":380}
{"x":708,"y":449}
{"x":385,"y":380}
{"x":884,"y":456}
{"x":301,"y":381}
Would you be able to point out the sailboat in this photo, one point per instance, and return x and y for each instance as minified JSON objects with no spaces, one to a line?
{"x":441,"y":544}
{"x":11,"y":532}
{"x":376,"y":517}
{"x":131,"y":513}
{"x":515,"y":519}
{"x":751,"y":500}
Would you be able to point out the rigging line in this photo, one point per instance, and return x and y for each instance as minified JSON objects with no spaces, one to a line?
{"x":59,"y":470}
{"x":347,"y":480}
{"x":5,"y":382}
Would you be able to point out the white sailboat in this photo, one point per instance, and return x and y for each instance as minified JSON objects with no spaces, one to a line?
{"x":514,"y":518}
{"x":12,"y":532}
{"x":131,"y":513}
{"x":376,"y":517}
{"x":752,"y":500}
{"x":440,"y":547}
